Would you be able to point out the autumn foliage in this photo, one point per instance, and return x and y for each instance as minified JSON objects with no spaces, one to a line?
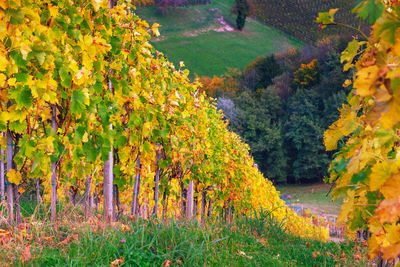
{"x":366,"y":170}
{"x":80,"y":85}
{"x":307,"y":75}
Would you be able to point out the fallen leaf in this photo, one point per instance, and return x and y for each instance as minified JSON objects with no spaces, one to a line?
{"x":357,"y":256}
{"x":167,"y":263}
{"x":4,"y":233}
{"x":26,"y":255}
{"x":21,"y":190}
{"x":48,"y":239}
{"x":315,"y":254}
{"x":264,"y":242}
{"x":117,"y":262}
{"x":69,"y":239}
{"x":330,"y":254}
{"x":241,"y":253}
{"x":5,"y":237}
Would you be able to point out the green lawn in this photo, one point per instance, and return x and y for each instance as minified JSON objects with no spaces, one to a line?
{"x":316,"y":200}
{"x":187,"y":34}
{"x":250,"y":241}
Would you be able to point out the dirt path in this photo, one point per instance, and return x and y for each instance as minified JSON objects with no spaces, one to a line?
{"x":220,"y":26}
{"x":317,"y":210}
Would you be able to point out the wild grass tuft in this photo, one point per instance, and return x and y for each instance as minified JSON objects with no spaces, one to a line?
{"x":256,"y":240}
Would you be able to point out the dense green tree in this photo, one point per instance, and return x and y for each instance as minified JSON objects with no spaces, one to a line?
{"x":258,"y":123}
{"x":303,"y":135}
{"x":331,"y":105}
{"x":284,"y":124}
{"x":260,"y":72}
{"x":309,"y":112}
{"x":242,"y":10}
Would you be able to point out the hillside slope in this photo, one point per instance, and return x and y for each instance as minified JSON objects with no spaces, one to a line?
{"x":202,"y":37}
{"x":285,"y":15}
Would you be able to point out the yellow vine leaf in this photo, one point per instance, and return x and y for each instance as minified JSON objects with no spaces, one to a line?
{"x":53,"y":10}
{"x":382,"y":95}
{"x":393,"y":238}
{"x":21,"y":190}
{"x":146,"y":128}
{"x":380,"y":172}
{"x":388,"y":211}
{"x":391,"y":188}
{"x":391,"y":117}
{"x":97,"y":4}
{"x":347,"y":124}
{"x":346,"y":209}
{"x":3,"y":62}
{"x":365,"y":80}
{"x":396,"y":48}
{"x":14,"y":177}
{"x":3,"y":4}
{"x":12,"y":81}
{"x":2,"y":79}
{"x":154,"y":29}
{"x":85,"y":138}
{"x":347,"y":83}
{"x":373,"y":246}
{"x":25,"y":50}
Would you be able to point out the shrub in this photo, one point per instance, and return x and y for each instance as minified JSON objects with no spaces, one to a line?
{"x":260,"y":72}
{"x":307,"y":75}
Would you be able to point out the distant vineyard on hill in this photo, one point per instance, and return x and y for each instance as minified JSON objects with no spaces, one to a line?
{"x":297,"y":17}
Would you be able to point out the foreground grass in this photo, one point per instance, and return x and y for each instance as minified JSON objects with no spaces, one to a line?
{"x":247,"y":242}
{"x":314,"y":197}
{"x":186,"y":36}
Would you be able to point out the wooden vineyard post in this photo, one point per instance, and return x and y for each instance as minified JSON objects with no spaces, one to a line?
{"x":165,"y":200}
{"x":203,"y":205}
{"x":195,"y":203}
{"x":136,"y":189}
{"x":10,"y":190}
{"x":108,"y":187}
{"x":53,"y":180}
{"x":2,"y":179}
{"x":156,"y":184}
{"x":96,"y":199}
{"x":183,"y":200}
{"x":209,"y":208}
{"x":17,"y":195}
{"x":117,"y":202}
{"x":88,"y":192}
{"x":108,"y":178}
{"x":38,"y":198}
{"x":230,"y":213}
{"x":189,"y":212}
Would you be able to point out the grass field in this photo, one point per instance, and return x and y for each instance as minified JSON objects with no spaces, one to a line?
{"x":313,"y":197}
{"x":250,"y":241}
{"x":196,"y":36}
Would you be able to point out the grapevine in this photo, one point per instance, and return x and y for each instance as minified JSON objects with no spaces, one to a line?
{"x":366,"y":168}
{"x":80,"y":85}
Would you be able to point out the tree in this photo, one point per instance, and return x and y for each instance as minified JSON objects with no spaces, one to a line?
{"x":263,"y":70}
{"x":257,"y":122}
{"x":242,"y":10}
{"x":307,"y":75}
{"x":304,"y":127}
